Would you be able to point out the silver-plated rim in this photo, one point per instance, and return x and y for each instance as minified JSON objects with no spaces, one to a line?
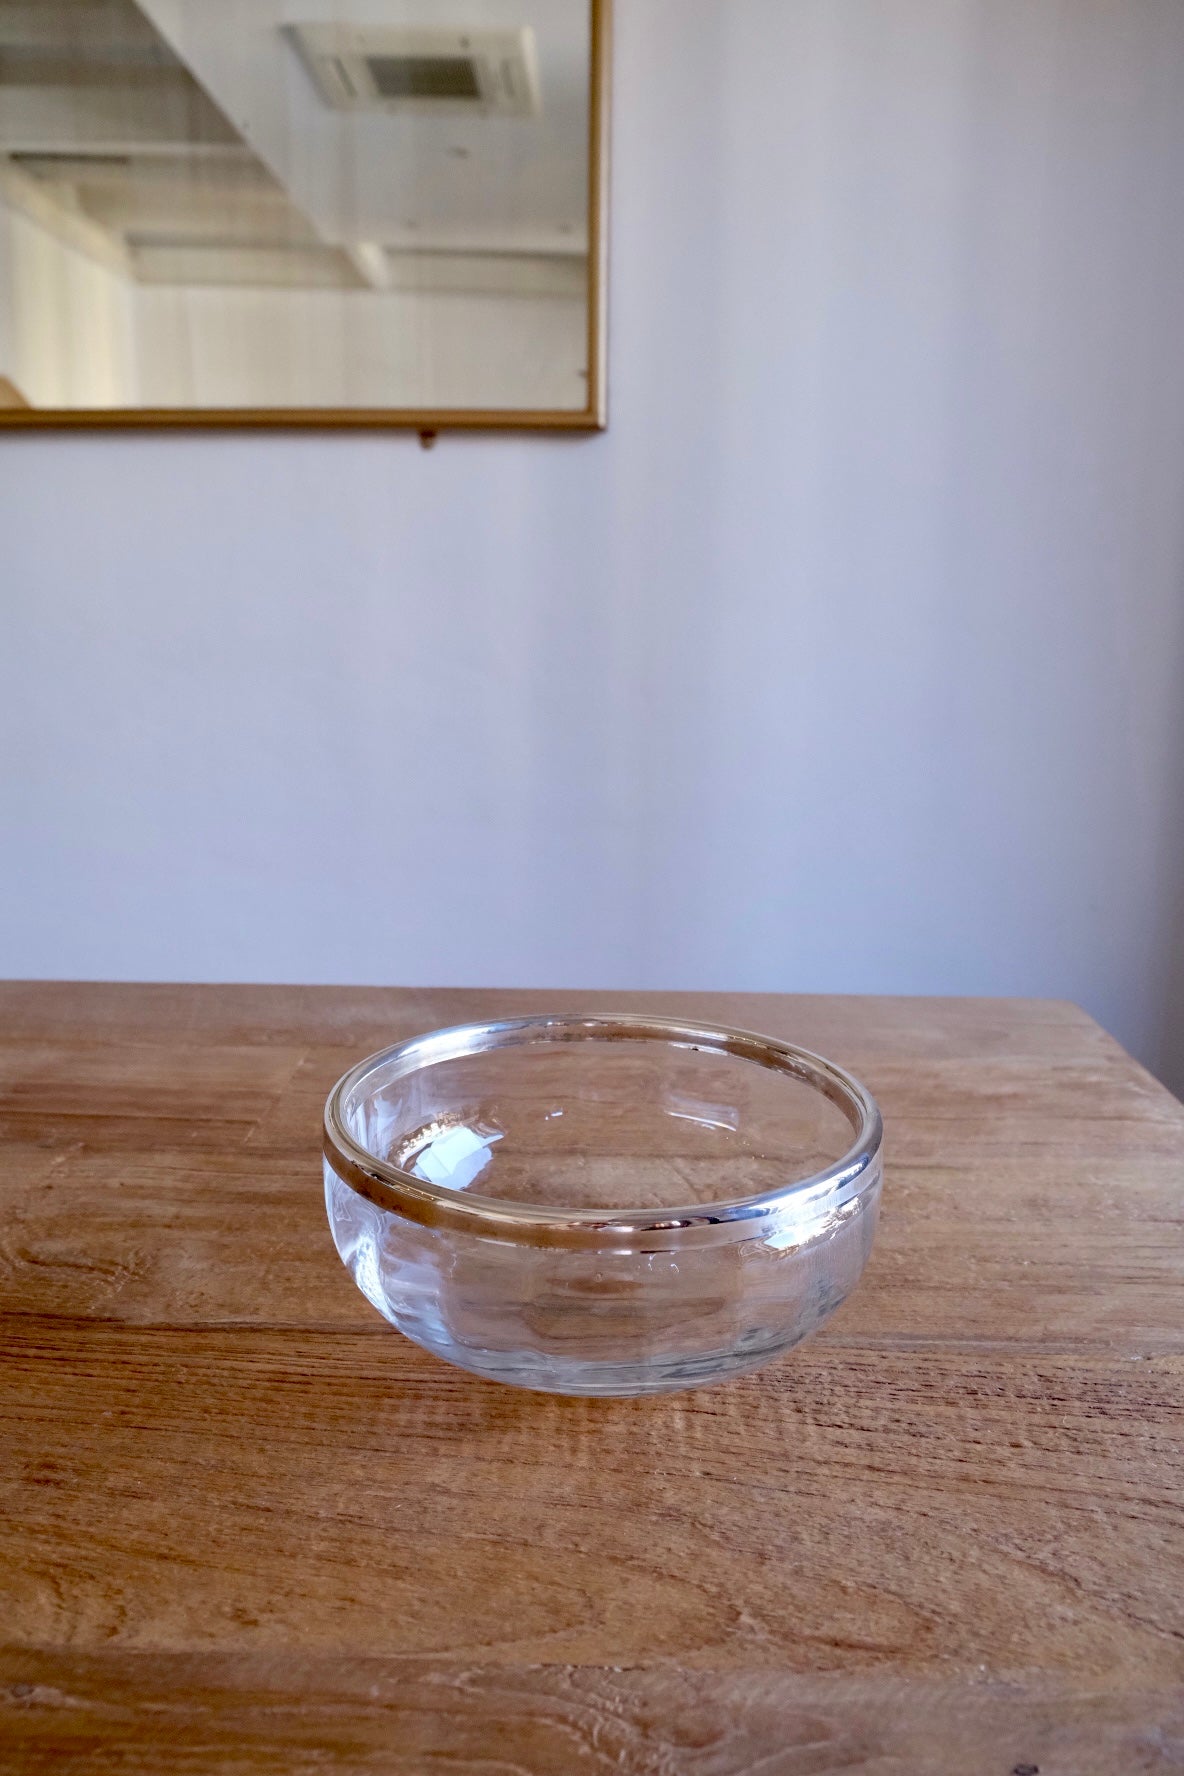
{"x":433,"y":1205}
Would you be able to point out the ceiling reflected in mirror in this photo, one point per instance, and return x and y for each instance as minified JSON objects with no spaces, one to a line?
{"x":259,"y":211}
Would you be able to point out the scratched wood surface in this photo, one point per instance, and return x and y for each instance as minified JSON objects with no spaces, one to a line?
{"x":245,"y":1527}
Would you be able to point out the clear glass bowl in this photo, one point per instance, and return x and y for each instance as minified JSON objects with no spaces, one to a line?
{"x":602,"y":1205}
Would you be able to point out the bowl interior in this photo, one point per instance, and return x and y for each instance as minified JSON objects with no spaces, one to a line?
{"x":627,"y":1122}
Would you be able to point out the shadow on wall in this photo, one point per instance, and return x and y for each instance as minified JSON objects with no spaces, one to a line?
{"x":1170,"y":1066}
{"x":1169,"y":1061}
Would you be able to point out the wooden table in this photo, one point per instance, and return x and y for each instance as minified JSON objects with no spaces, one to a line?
{"x":245,"y":1527}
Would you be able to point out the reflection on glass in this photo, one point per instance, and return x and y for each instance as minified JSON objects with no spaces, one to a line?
{"x":453,"y":1155}
{"x":294,"y":204}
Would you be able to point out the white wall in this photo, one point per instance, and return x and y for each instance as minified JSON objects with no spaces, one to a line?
{"x":74,"y":333}
{"x":222,"y":347}
{"x":849,"y":658}
{"x":50,"y":295}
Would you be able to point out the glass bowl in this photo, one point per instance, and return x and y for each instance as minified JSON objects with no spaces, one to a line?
{"x":602,"y":1205}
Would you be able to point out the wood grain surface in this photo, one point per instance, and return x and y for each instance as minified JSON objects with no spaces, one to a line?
{"x":245,"y":1527}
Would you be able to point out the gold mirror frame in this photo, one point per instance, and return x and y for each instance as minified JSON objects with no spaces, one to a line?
{"x":428,"y":422}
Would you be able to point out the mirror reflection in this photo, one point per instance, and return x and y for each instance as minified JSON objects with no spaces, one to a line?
{"x":326,"y":205}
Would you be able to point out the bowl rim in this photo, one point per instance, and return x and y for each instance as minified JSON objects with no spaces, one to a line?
{"x":803,"y":1202}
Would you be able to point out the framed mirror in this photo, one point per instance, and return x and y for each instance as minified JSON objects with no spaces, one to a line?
{"x":303,"y":212}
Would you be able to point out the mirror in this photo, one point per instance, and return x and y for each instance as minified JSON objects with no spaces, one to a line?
{"x":278,"y":212}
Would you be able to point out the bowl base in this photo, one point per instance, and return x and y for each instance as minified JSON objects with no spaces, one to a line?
{"x":608,"y":1380}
